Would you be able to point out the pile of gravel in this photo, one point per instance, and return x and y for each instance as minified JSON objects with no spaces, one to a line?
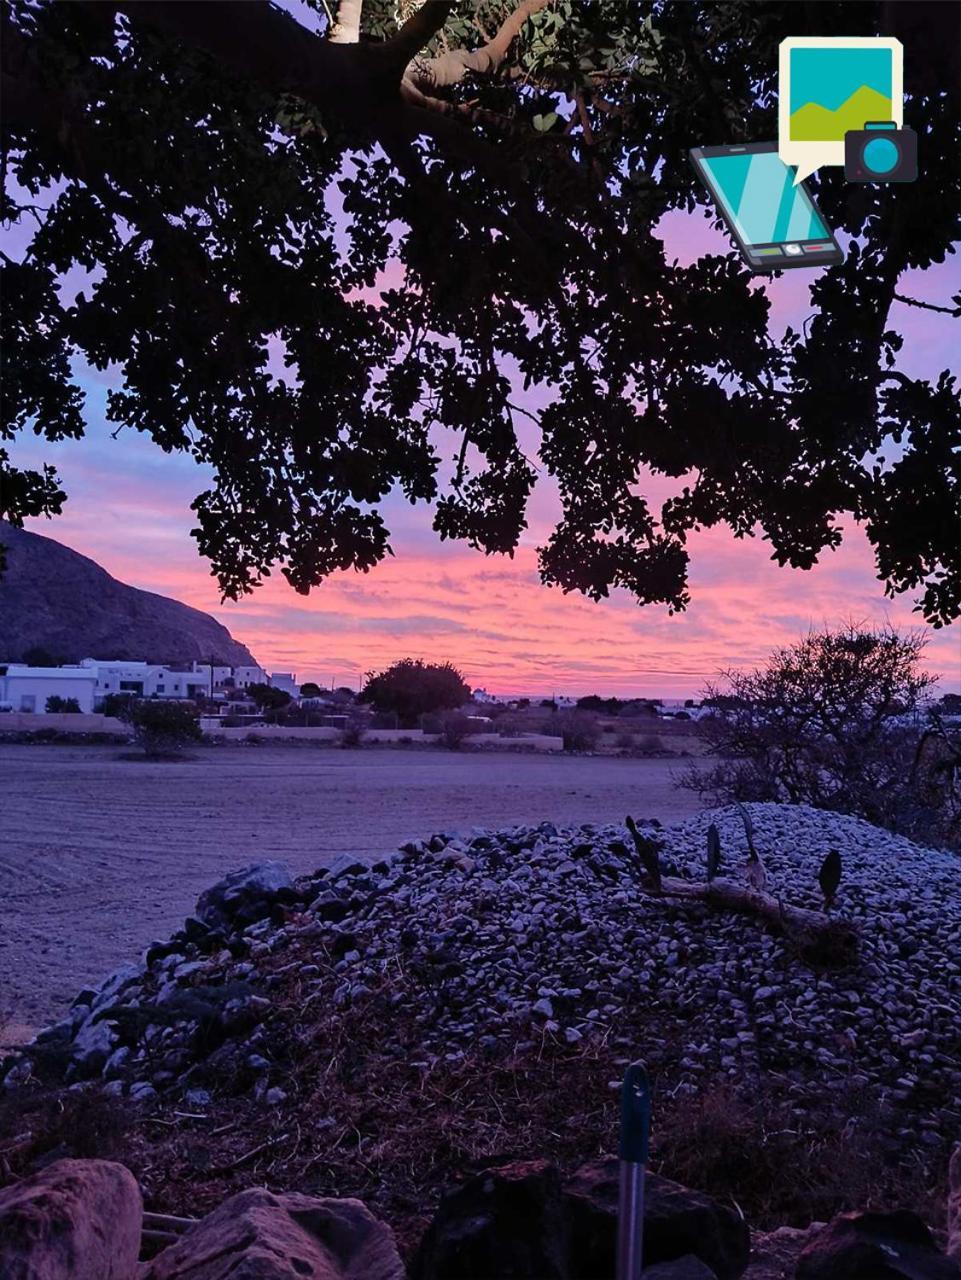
{"x":492,"y":941}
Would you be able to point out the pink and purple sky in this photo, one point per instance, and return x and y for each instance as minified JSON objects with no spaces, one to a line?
{"x":129,"y":509}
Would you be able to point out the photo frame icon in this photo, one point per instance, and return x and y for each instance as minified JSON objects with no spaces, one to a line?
{"x":830,"y":85}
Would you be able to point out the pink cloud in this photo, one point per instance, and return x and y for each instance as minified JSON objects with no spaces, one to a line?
{"x":496,"y":621}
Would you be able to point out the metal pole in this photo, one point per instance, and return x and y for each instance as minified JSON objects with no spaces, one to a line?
{"x":635,"y":1134}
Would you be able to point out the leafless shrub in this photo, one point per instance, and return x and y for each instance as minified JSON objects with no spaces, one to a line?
{"x":579,"y":730}
{"x":834,"y":721}
{"x":354,"y":731}
{"x":511,"y":726}
{"x":455,"y":729}
{"x":787,"y":1167}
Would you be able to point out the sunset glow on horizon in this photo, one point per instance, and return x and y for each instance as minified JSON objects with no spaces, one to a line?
{"x":129,"y":509}
{"x":492,"y":617}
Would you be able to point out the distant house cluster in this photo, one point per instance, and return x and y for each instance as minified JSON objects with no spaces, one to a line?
{"x":89,"y":683}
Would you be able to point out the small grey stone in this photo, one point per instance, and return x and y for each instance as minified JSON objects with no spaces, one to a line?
{"x":114,"y":1066}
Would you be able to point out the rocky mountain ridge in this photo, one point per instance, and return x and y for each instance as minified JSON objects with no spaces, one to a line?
{"x":55,"y":599}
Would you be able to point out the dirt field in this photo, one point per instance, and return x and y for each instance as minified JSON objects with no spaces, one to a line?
{"x":100,"y":855}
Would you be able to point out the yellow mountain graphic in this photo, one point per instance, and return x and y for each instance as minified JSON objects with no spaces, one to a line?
{"x":814,"y":123}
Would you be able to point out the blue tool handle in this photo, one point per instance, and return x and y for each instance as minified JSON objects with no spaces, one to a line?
{"x":635,"y":1114}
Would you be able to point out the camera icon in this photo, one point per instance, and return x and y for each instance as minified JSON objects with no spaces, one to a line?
{"x":880,"y":152}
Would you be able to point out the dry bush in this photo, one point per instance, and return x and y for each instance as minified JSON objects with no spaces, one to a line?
{"x":579,"y":730}
{"x":512,"y":725}
{"x":39,"y":1125}
{"x":834,"y":721}
{"x":354,"y":731}
{"x":455,"y":729}
{"x":788,"y":1164}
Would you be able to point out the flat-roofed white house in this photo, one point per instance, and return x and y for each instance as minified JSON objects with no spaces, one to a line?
{"x":27,"y":689}
{"x":285,"y":680}
{"x":24,"y":688}
{"x":142,"y":679}
{"x":230,"y":677}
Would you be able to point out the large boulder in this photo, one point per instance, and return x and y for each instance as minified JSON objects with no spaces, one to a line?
{"x":257,"y":1235}
{"x":244,"y":896}
{"x":875,"y":1246}
{"x":954,"y":1206}
{"x":518,"y":1222}
{"x":74,"y":1220}
{"x":677,"y":1222}
{"x":506,"y":1222}
{"x":92,"y":1046}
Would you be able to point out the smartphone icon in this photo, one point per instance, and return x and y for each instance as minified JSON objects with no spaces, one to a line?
{"x":774,"y":223}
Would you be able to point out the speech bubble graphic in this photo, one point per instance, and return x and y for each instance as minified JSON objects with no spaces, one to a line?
{"x":830,"y":84}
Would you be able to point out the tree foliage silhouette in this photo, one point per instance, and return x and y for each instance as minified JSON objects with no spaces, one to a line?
{"x":411,"y":688}
{"x":416,"y":216}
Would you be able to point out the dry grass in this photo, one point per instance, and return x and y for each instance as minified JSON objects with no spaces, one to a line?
{"x":40,"y":1125}
{"x":361,"y":1122}
{"x":787,"y":1164}
{"x":367,"y":1115}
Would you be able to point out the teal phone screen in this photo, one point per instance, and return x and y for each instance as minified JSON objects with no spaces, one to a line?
{"x":758,"y":194}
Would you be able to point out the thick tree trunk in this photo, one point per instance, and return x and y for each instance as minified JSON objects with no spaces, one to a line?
{"x":346,"y":28}
{"x":428,"y":74}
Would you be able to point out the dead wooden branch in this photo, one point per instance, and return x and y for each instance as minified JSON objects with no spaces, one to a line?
{"x":820,"y":939}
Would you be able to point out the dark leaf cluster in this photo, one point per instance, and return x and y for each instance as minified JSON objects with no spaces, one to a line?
{"x":327,"y":295}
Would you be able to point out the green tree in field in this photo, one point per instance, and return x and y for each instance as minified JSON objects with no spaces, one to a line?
{"x":412,"y":688}
{"x":164,"y":726}
{"x":311,"y":690}
{"x":267,"y":698}
{"x":62,"y":706}
{"x":502,"y":169}
{"x":593,"y":702}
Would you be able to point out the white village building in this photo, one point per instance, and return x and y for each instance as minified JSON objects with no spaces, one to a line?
{"x":230,"y":677}
{"x":285,"y":680}
{"x":24,"y":688}
{"x":141,"y":679}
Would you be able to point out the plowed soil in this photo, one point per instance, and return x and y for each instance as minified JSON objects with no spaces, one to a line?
{"x":99,"y":855}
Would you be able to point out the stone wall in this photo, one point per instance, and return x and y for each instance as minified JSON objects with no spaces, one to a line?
{"x":24,"y":722}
